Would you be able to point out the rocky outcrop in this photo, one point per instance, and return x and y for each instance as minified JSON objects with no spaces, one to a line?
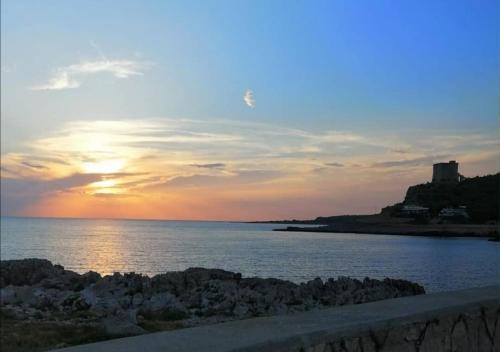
{"x":42,"y":273}
{"x":123,"y":303}
{"x":479,"y":194}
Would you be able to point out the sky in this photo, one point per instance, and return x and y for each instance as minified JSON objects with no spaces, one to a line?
{"x":241,"y":110}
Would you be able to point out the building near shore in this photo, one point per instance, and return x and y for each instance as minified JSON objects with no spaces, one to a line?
{"x":452,"y":213}
{"x":446,"y":173}
{"x":413,"y":210}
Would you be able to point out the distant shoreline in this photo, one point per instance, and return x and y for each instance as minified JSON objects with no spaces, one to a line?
{"x":486,"y":232}
{"x":383,"y":225}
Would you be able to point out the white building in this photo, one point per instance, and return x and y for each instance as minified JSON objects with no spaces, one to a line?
{"x":460,"y":212}
{"x":414,"y":210}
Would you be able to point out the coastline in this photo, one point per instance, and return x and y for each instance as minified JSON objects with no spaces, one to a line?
{"x":471,"y":231}
{"x":386,"y":225}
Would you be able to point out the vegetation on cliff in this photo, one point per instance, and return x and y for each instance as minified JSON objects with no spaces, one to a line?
{"x":479,"y":194}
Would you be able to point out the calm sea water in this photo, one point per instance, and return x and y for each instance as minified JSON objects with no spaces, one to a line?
{"x":152,"y":247}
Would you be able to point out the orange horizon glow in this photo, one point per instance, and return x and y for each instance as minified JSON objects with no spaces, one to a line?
{"x":129,"y":170}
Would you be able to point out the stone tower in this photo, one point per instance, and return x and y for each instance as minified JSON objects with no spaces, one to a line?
{"x":446,"y":172}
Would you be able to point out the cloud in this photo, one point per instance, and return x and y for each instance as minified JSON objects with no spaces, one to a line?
{"x":341,"y":137}
{"x":49,"y":160}
{"x":111,"y":195}
{"x":246,"y":177}
{"x":423,"y":161}
{"x":33,"y":166}
{"x":399,"y":151}
{"x":61,"y":80}
{"x":71,"y":76}
{"x":210,"y":166}
{"x":17,"y":194}
{"x":334,"y":164}
{"x":248,"y":99}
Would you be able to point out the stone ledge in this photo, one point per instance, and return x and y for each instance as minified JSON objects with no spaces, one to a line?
{"x":322,"y":330}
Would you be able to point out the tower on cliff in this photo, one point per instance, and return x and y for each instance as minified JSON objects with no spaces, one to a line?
{"x":446,"y":173}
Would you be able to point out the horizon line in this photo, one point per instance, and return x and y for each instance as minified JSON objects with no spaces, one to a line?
{"x":159,"y":219}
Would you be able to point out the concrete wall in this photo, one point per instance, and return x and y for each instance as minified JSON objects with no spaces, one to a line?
{"x":472,"y":330}
{"x":466,"y":320}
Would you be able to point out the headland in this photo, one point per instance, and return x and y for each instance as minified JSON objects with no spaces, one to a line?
{"x":449,"y":206}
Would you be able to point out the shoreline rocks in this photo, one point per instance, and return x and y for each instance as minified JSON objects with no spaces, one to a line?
{"x":124,"y":304}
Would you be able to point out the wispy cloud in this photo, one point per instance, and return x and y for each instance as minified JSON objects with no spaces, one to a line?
{"x":20,"y":193}
{"x":334,"y":164}
{"x":422,"y":161}
{"x":32,"y":165}
{"x":210,"y":166}
{"x":239,"y":178}
{"x":179,"y":145}
{"x":249,"y":99}
{"x":399,"y":150}
{"x":71,"y":76}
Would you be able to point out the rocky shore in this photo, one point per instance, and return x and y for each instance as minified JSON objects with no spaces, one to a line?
{"x":38,"y":295}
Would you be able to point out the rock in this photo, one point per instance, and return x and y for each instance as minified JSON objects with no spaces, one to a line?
{"x":90,"y":277}
{"x":240,"y":310}
{"x":121,"y":326}
{"x":25,"y":295}
{"x":44,"y":299}
{"x":89,"y":296}
{"x":101,"y":299}
{"x":15,"y":312}
{"x":40,"y":272}
{"x":35,"y":289}
{"x":67,"y":298}
{"x":162,"y":301}
{"x":132,"y":316}
{"x":25,"y":271}
{"x":80,"y":304}
{"x":125,"y":301}
{"x":8,"y":295}
{"x":137,"y":299}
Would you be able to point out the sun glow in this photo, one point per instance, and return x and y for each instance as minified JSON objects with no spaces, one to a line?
{"x":104,"y":187}
{"x":104,"y":184}
{"x":104,"y":166}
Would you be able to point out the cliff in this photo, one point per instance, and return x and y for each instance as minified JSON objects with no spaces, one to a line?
{"x":479,"y":194}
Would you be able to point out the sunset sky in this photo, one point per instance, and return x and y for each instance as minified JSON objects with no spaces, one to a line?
{"x":240,"y":110}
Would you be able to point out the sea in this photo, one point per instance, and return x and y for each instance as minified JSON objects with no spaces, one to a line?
{"x":153,"y":247}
